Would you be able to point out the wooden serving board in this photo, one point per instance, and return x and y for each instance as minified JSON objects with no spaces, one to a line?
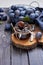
{"x":27,"y":44}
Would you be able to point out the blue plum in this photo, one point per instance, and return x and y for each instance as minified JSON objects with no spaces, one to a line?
{"x":17,"y":12}
{"x":23,"y":13}
{"x":20,"y":8}
{"x":11,"y":11}
{"x":29,"y":10}
{"x":12,"y":17}
{"x":11,"y":14}
{"x":21,"y":18}
{"x":13,"y":7}
{"x":1,"y":10}
{"x":38,"y":35}
{"x":36,"y":15}
{"x":32,"y":15}
{"x":7,"y":26}
{"x":37,"y":11}
{"x":4,"y":17}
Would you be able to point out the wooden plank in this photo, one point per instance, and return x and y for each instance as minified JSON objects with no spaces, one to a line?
{"x":1,"y":52}
{"x":6,"y":56}
{"x":36,"y":57}
{"x":4,"y":46}
{"x":19,"y":57}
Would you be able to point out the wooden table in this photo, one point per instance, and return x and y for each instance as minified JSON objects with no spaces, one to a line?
{"x":10,"y":55}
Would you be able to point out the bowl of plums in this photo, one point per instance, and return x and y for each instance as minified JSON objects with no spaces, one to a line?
{"x":22,"y":13}
{"x":22,"y":30}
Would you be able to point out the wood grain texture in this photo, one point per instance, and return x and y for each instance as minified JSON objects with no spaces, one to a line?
{"x":1,"y":53}
{"x":4,"y":46}
{"x":19,"y":57}
{"x":36,"y":57}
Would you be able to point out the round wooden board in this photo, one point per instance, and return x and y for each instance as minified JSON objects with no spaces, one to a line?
{"x":24,"y":44}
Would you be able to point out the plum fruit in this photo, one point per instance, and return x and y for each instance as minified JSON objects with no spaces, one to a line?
{"x":32,"y":15}
{"x":11,"y":17}
{"x":37,"y":11}
{"x":11,"y":11}
{"x":1,"y":10}
{"x":21,"y":18}
{"x":29,"y":10}
{"x":4,"y":17}
{"x":7,"y":26}
{"x":22,"y":13}
{"x":13,"y":7}
{"x":11,"y":14}
{"x":16,"y":20}
{"x":36,"y":15}
{"x":38,"y":35}
{"x":20,"y":8}
{"x":17,"y":12}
